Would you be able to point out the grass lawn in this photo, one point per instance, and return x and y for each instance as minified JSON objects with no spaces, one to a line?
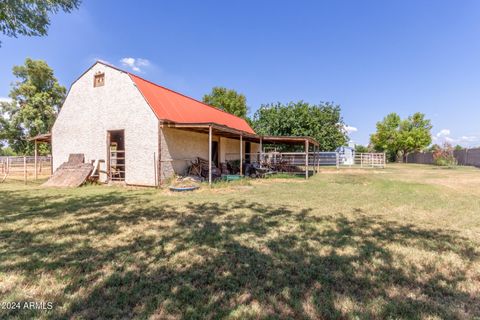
{"x":399,"y":243}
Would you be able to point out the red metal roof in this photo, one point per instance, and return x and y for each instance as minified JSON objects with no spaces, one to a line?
{"x":176,"y":107}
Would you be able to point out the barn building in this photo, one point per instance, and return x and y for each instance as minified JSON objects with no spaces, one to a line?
{"x":143,"y":133}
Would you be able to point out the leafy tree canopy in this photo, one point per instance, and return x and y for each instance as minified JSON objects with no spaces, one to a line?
{"x":362,"y":149}
{"x":228,"y":100}
{"x":396,"y":136}
{"x":30,"y":18}
{"x":322,"y":122}
{"x":36,"y":99}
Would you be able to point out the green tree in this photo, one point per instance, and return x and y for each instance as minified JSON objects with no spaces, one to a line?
{"x":227,"y":100}
{"x":6,"y":151}
{"x":386,"y":138}
{"x":361,"y":149}
{"x":458,"y":148}
{"x":414,"y":134}
{"x":322,"y":122}
{"x":30,"y":18}
{"x":433,"y":148}
{"x":399,"y":137}
{"x":36,"y":100}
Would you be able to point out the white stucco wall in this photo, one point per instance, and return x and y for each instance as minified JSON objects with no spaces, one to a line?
{"x":180,"y":147}
{"x":88,"y":113}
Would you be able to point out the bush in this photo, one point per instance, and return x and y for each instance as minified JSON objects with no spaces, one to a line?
{"x":444,"y":156}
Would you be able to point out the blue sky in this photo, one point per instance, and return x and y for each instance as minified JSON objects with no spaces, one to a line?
{"x":371,"y":57}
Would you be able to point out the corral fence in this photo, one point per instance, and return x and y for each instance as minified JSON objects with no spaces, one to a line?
{"x":464,"y":157}
{"x":25,"y":168}
{"x":292,"y":160}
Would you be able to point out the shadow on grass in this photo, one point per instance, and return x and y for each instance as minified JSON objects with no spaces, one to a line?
{"x":239,"y":260}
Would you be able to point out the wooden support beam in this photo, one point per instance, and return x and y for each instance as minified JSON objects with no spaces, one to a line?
{"x":241,"y":154}
{"x":210,"y":155}
{"x":36,"y":156}
{"x":306,"y":159}
{"x":261,"y":149}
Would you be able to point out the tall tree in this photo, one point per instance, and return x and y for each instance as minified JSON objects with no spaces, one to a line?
{"x":399,"y":137}
{"x":322,"y":122}
{"x":30,"y":18}
{"x":386,"y":137}
{"x":414,"y":134}
{"x":36,"y":99}
{"x":228,"y":100}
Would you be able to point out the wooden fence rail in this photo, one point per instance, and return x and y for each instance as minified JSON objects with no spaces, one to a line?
{"x":25,"y":168}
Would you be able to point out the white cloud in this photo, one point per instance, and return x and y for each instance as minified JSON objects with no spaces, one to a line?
{"x":349,"y":129}
{"x":136,"y":64}
{"x":450,"y":140}
{"x":5,"y":99}
{"x":469,"y":138}
{"x":443,"y":133}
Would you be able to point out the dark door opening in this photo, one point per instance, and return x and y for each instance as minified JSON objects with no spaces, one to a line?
{"x":248,"y":150}
{"x":116,"y":155}
{"x":215,"y":153}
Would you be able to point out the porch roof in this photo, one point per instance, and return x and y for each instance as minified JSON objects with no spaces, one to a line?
{"x":45,"y":137}
{"x":227,"y":132}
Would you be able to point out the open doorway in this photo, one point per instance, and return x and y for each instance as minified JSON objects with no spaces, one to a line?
{"x":116,"y":155}
{"x":248,"y":151}
{"x":215,"y":153}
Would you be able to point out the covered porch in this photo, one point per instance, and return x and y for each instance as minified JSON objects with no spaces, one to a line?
{"x":38,"y":139}
{"x":250,"y":150}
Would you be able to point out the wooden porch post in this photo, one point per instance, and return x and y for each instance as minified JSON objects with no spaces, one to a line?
{"x":36,"y":155}
{"x":241,"y":154}
{"x":261,"y":149}
{"x":210,"y":155}
{"x":306,"y":159}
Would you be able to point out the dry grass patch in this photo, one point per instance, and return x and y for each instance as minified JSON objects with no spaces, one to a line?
{"x":349,"y":245}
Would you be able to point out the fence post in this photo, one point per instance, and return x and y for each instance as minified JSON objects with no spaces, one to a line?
{"x":466,"y":156}
{"x":337,"y":160}
{"x":36,"y":157}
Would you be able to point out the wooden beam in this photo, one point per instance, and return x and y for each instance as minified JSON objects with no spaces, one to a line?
{"x":36,"y":156}
{"x":159,"y":160}
{"x":261,"y":149}
{"x":210,"y":155}
{"x":306,"y":159}
{"x":241,"y":154}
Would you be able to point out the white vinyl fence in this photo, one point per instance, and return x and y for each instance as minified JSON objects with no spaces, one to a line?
{"x":315,"y":159}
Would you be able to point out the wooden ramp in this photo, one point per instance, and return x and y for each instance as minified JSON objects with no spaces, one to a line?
{"x":72,"y":173}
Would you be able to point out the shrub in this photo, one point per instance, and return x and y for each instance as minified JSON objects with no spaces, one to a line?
{"x":444,"y":156}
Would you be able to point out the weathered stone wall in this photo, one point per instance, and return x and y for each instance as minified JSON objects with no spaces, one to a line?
{"x":89,"y":112}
